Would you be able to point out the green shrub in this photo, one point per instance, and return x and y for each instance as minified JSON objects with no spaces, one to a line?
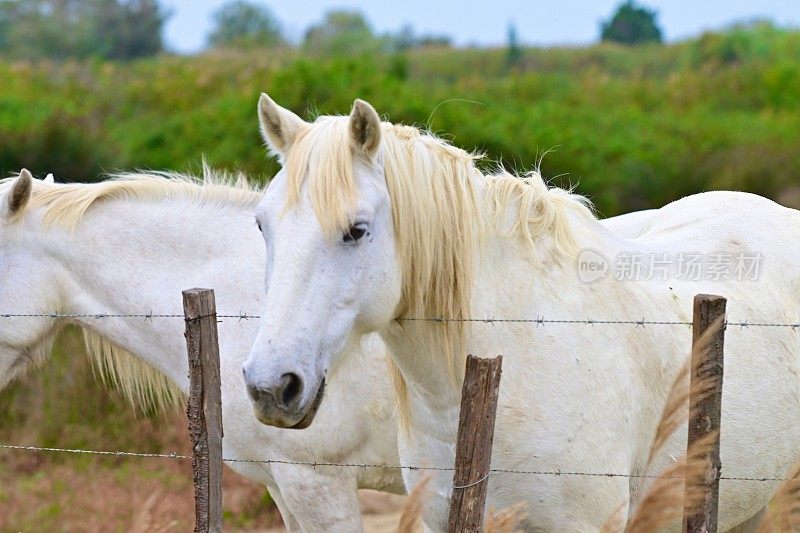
{"x":635,"y":128}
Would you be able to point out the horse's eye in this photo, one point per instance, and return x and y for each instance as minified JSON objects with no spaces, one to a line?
{"x":354,"y":233}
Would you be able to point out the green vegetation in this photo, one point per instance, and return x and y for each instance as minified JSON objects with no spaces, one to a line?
{"x":245,"y":25}
{"x":58,"y":29}
{"x":341,"y":33}
{"x":513,"y":50}
{"x":50,"y":408}
{"x":635,"y":127}
{"x":631,"y":24}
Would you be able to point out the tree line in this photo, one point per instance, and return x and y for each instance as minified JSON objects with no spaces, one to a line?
{"x":130,"y":29}
{"x":60,"y":29}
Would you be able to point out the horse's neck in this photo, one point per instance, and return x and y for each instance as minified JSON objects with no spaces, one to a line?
{"x":126,"y":258}
{"x":511,"y":281}
{"x":431,"y":398}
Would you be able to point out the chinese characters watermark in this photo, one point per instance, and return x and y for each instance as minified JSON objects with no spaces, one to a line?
{"x":685,"y":266}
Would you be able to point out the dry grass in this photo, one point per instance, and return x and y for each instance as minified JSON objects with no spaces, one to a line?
{"x":117,"y":495}
{"x":672,"y":494}
{"x":676,"y":407}
{"x":411,"y":517}
{"x":783,"y":513}
{"x":668,"y":498}
{"x":62,"y":404}
{"x":506,"y":520}
{"x":503,"y":521}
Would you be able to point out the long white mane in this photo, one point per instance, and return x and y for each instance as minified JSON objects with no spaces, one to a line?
{"x":66,"y":203}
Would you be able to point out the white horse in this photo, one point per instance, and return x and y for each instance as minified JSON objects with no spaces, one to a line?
{"x":371,"y":225}
{"x":130,"y":247}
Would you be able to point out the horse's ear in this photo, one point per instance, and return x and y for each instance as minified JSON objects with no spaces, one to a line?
{"x":365,"y":128}
{"x":279,"y":126}
{"x":49,"y":179}
{"x":18,"y":195}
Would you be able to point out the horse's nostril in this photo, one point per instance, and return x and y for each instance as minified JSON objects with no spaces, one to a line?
{"x":290,"y":389}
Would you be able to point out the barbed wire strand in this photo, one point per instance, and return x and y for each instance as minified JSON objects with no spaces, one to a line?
{"x":316,"y":464}
{"x":540,"y":321}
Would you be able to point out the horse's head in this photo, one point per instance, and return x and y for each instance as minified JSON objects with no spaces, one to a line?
{"x":26,"y":286}
{"x":332,"y":270}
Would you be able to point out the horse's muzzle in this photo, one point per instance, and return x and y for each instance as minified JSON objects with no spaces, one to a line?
{"x":280,"y":407}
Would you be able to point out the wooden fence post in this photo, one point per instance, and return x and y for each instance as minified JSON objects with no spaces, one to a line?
{"x":204,"y":409}
{"x":706,"y":409}
{"x":474,"y":444}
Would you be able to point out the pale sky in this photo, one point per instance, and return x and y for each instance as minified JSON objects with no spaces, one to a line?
{"x":485,"y":22}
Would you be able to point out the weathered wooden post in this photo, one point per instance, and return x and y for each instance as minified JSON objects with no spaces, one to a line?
{"x":204,"y":409}
{"x":705,"y":409}
{"x":474,"y":444}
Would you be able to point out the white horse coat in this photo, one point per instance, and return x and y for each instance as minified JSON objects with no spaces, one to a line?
{"x":371,"y":224}
{"x":134,"y":246}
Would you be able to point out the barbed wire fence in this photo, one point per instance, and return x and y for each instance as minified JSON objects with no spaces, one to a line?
{"x":409,"y":467}
{"x":539,"y":321}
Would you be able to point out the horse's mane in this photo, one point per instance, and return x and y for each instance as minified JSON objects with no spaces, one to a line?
{"x":67,"y":203}
{"x":440,"y":217}
{"x":140,"y":384}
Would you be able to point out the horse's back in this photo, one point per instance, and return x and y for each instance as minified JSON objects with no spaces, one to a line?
{"x":748,"y":244}
{"x":726,"y":222}
{"x":718,"y":207}
{"x":631,"y":225}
